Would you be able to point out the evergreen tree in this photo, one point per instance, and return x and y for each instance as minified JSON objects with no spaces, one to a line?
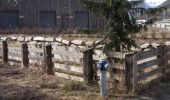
{"x":121,"y":17}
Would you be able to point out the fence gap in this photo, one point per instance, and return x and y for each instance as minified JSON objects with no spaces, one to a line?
{"x":88,"y":68}
{"x":4,"y":52}
{"x":48,"y":65}
{"x":24,"y":58}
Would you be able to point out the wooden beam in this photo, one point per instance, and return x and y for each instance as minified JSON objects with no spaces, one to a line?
{"x":88,"y":69}
{"x":24,"y":57}
{"x":148,"y":64}
{"x":48,"y":65}
{"x":68,"y":72}
{"x":4,"y":52}
{"x":147,"y":54}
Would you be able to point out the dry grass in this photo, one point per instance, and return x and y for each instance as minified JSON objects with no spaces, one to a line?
{"x":31,"y":84}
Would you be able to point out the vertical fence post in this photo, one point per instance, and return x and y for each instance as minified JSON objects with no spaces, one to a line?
{"x":131,"y":72}
{"x":48,"y":65}
{"x":4,"y":52}
{"x":165,"y":58}
{"x":88,"y":68}
{"x":164,"y":61}
{"x":24,"y":58}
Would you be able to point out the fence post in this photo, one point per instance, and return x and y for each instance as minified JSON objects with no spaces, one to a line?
{"x":4,"y":52}
{"x":164,"y":60}
{"x":24,"y":58}
{"x":131,"y":72}
{"x":88,"y":68}
{"x":48,"y":65}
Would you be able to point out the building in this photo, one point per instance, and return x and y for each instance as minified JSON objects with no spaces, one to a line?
{"x":58,"y":14}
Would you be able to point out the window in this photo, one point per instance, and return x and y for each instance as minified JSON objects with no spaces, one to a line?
{"x":82,"y":20}
{"x":9,"y":19}
{"x":47,"y":19}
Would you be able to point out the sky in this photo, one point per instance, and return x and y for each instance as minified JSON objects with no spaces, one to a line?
{"x":154,"y":3}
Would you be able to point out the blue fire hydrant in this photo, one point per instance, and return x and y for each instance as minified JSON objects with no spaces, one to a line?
{"x":102,"y":66}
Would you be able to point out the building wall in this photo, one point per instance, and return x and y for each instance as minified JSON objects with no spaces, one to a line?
{"x":64,"y":10}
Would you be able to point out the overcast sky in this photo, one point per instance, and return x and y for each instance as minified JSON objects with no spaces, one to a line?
{"x":154,"y":3}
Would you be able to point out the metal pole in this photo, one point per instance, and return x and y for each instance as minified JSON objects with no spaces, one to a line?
{"x":103,"y":83}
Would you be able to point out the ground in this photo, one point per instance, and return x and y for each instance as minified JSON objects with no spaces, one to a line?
{"x":18,"y":83}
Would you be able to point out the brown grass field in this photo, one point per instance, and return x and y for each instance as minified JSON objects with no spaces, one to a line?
{"x":18,"y":83}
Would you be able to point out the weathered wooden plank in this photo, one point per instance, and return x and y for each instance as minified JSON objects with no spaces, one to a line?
{"x":25,"y":53}
{"x":68,"y":53}
{"x":14,"y":60}
{"x":149,"y":74}
{"x":38,"y":58}
{"x":147,"y":54}
{"x":36,"y":50}
{"x":131,"y":72}
{"x":14,"y":48}
{"x":148,"y":64}
{"x":14,"y":54}
{"x":88,"y":69}
{"x":48,"y":65}
{"x":69,"y":67}
{"x":4,"y":52}
{"x":118,"y":55}
{"x":68,"y":72}
{"x":71,"y":63}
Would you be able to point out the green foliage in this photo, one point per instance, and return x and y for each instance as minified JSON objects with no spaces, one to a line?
{"x":121,"y":16}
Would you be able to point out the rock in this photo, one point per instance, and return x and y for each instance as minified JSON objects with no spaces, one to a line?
{"x":154,"y":45}
{"x":89,"y":43}
{"x":146,"y":45}
{"x":28,"y":38}
{"x":77,"y":42}
{"x":4,"y":38}
{"x":135,"y":49}
{"x":167,"y":43}
{"x":49,"y":39}
{"x":13,"y":38}
{"x":82,"y":48}
{"x":73,"y":46}
{"x":20,"y":38}
{"x":66,"y":42}
{"x":38,"y":38}
{"x":99,"y":46}
{"x":56,"y":44}
{"x":98,"y":41}
{"x":59,"y":39}
{"x":32,"y":44}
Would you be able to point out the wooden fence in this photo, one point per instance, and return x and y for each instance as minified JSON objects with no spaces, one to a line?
{"x":138,"y":68}
{"x":79,"y":70}
{"x":143,"y":67}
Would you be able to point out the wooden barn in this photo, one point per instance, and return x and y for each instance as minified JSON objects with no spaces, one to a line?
{"x":58,"y":14}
